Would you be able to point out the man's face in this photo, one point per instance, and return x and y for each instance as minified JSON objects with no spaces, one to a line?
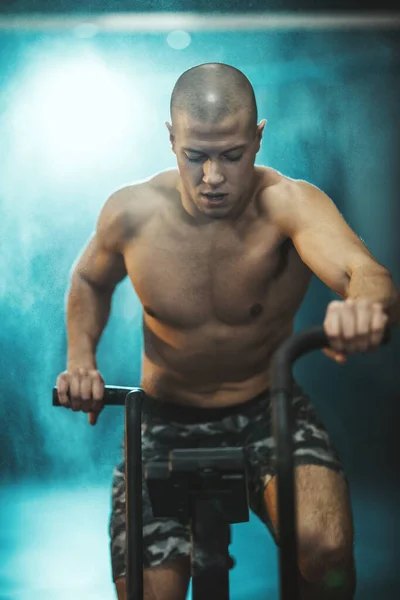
{"x":216,"y":162}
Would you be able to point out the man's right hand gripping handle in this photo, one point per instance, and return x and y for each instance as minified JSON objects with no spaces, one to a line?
{"x":82,"y":390}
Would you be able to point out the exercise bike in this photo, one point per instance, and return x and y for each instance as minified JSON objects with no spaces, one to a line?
{"x":207,"y":488}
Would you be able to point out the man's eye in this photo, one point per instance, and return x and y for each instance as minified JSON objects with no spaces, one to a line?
{"x":191,"y":159}
{"x":234,"y":158}
{"x":200,"y":158}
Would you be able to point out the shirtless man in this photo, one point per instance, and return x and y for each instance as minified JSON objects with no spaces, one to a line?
{"x":220,"y":254}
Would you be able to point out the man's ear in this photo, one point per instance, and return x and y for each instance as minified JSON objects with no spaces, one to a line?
{"x":171,"y":135}
{"x":260,"y":130}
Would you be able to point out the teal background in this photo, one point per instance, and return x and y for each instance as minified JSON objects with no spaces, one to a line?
{"x":331,"y":100}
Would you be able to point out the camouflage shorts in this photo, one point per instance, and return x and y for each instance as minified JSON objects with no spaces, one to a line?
{"x":166,"y":426}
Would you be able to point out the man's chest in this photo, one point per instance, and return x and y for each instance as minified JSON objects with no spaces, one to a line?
{"x":185,"y":279}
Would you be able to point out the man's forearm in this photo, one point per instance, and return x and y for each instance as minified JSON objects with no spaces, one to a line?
{"x":88,"y":309}
{"x":375,"y":284}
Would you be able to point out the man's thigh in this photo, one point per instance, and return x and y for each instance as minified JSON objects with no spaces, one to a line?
{"x":164,"y":539}
{"x":169,"y":581}
{"x":324,"y":513}
{"x":323,"y":499}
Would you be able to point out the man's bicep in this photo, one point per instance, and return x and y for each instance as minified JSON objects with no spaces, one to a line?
{"x":101,"y":262}
{"x":323,"y":239}
{"x":99,"y":265}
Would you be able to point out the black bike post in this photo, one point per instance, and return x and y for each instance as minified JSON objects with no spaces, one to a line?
{"x":132,"y":398}
{"x":210,"y":559}
{"x":133,"y":497}
{"x":283,"y":426}
{"x":293,"y":348}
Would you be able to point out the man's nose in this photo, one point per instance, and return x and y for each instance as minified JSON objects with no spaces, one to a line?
{"x":213,"y":174}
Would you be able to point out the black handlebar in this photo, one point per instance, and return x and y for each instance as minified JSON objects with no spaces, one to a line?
{"x":114,"y":395}
{"x":297,"y":345}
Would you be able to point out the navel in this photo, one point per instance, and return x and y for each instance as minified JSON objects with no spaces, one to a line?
{"x":256,"y":310}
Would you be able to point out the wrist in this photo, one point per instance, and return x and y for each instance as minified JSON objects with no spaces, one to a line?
{"x":81,"y":362}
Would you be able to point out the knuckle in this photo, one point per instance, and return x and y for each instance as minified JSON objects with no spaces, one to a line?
{"x":363,"y":302}
{"x":377,"y":305}
{"x":73,"y":372}
{"x":363,"y":329}
{"x":377,"y":333}
{"x":334,"y":305}
{"x":330,"y":328}
{"x":362,"y":335}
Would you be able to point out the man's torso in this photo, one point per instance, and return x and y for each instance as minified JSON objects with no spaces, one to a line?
{"x":218,"y":299}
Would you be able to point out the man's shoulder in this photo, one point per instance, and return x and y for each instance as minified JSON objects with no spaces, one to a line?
{"x":274,"y":183}
{"x":281,"y":193}
{"x":130,"y":197}
{"x":131,"y":206}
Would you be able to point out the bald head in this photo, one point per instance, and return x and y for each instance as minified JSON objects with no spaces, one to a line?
{"x":212,"y":92}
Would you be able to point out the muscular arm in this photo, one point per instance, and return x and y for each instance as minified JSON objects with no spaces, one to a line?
{"x":97,"y":272}
{"x":332,"y":250}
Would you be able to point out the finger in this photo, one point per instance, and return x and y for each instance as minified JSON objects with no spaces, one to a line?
{"x":338,"y":357}
{"x":74,"y":387}
{"x":332,"y":326}
{"x":97,"y":391}
{"x":86,"y":393}
{"x":62,"y":389}
{"x":334,"y":354}
{"x":93,"y":416}
{"x":379,"y":321}
{"x":363,"y":316}
{"x":348,"y":325}
{"x":97,"y":385}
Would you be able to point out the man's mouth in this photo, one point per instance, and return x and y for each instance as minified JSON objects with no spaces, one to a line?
{"x":214,"y":198}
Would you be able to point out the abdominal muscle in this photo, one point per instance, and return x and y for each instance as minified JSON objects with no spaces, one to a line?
{"x":207,"y":372}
